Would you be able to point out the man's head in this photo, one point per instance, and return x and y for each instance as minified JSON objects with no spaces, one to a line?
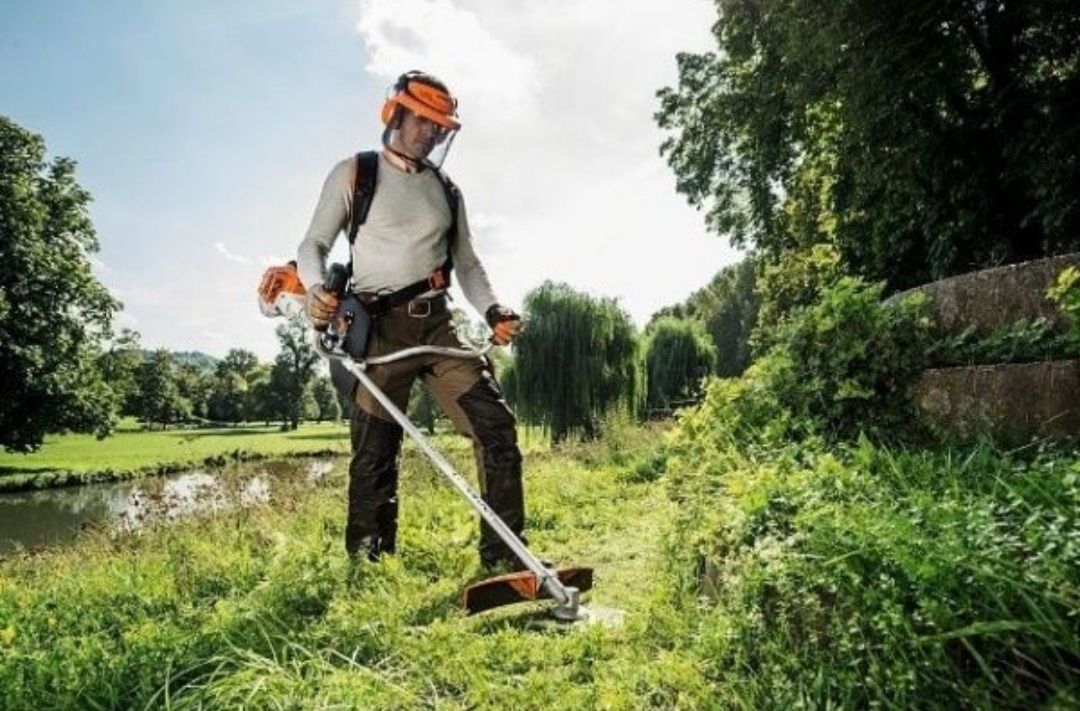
{"x":420,"y":115}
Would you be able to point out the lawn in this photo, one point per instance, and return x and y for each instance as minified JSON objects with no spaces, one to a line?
{"x":66,"y":459}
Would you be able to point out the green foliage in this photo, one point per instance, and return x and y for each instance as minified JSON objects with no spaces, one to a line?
{"x":865,"y":577}
{"x":922,"y":138}
{"x":576,"y":359}
{"x":54,"y":312}
{"x":293,"y":371}
{"x":326,"y":404}
{"x":1066,"y":294}
{"x":678,"y":355}
{"x":119,"y":367}
{"x":424,"y":410}
{"x":160,"y":400}
{"x":791,"y":283}
{"x":1022,"y":342}
{"x":837,"y":368}
{"x":728,"y":306}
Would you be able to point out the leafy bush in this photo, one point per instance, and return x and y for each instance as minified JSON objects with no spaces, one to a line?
{"x":1022,"y":342}
{"x":678,"y":355}
{"x":861,"y":576}
{"x":837,"y":368}
{"x":1066,"y":294}
{"x":792,"y":283}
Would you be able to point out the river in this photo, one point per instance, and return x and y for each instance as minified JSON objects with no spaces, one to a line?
{"x":50,"y":517}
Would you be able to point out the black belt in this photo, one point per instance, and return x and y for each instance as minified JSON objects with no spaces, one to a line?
{"x":416,"y":308}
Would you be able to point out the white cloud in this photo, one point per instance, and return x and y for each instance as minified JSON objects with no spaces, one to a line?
{"x":224,"y":252}
{"x":425,"y":34}
{"x":558,"y":156}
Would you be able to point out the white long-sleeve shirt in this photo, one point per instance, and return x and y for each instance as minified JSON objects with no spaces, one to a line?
{"x":403,"y":239}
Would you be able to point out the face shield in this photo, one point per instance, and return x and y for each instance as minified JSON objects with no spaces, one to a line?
{"x":421,"y":122}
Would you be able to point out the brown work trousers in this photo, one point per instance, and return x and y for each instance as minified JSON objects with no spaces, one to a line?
{"x":467,"y":392}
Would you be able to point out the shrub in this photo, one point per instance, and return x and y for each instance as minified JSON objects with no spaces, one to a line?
{"x":678,"y":355}
{"x":837,"y":368}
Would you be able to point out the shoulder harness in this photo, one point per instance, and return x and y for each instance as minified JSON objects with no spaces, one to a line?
{"x":367,"y":168}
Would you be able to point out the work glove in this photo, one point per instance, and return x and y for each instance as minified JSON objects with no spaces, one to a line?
{"x":505,"y":324}
{"x":321,"y":306}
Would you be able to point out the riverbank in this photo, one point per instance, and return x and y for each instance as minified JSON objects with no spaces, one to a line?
{"x":81,"y":459}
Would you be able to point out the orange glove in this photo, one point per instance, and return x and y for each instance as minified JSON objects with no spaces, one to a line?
{"x":505,"y":324}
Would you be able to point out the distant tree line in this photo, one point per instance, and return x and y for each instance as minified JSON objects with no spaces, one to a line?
{"x":156,"y":388}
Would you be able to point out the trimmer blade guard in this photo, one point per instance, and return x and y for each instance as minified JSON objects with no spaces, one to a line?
{"x":519,"y":587}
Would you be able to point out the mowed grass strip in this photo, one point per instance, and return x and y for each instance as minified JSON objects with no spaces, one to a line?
{"x":258,"y":608}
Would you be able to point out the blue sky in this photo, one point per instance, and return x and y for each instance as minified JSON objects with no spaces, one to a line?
{"x":204,"y":130}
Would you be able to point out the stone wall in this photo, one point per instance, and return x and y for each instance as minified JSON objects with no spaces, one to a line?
{"x":1012,"y":402}
{"x":994,"y":298}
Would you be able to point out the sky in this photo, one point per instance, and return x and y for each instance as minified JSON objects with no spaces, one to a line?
{"x":204,"y":131}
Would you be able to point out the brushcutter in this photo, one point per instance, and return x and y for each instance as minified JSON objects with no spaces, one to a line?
{"x":538,"y":581}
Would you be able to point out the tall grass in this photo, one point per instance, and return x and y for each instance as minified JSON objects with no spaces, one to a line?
{"x":863,"y":576}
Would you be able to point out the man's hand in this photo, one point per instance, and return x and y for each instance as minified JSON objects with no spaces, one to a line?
{"x":505,"y":324}
{"x":321,"y":306}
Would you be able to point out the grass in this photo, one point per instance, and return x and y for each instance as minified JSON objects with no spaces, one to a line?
{"x":72,"y":459}
{"x":259,"y":609}
{"x":860,"y":576}
{"x":753,"y":575}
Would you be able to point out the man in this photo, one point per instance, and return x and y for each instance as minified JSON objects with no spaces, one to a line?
{"x":411,"y":229}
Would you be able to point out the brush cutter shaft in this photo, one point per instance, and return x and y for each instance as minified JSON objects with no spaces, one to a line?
{"x":566,"y":597}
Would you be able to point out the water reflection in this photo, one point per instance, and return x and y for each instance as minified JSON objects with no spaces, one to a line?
{"x":56,"y":516}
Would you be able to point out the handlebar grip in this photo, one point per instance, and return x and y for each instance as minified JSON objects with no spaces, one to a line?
{"x":337,"y":278}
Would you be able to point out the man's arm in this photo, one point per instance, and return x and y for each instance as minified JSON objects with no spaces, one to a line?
{"x":476,"y":285}
{"x":329,"y":218}
{"x":469,"y":271}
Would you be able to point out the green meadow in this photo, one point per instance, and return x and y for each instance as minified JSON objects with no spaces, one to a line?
{"x":131,"y":452}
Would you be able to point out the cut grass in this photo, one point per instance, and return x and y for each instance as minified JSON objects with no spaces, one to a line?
{"x":72,"y":459}
{"x":259,"y":608}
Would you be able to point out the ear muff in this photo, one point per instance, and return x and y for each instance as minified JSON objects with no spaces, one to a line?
{"x":412,"y":92}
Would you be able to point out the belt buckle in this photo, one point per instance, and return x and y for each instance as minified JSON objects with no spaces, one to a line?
{"x":417,"y":313}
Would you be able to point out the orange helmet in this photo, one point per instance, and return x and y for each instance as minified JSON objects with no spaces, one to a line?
{"x":425,"y":96}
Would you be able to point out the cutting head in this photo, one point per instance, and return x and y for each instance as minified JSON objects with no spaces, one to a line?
{"x":522,"y":586}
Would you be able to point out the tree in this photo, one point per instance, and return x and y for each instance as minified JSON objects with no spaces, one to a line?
{"x":576,"y":360}
{"x":228,"y":396}
{"x":195,"y":387}
{"x":293,"y":370}
{"x":119,"y":367}
{"x":54,"y":313}
{"x":679,"y":354}
{"x":159,"y":395}
{"x":326,"y":403}
{"x":922,"y":138}
{"x":728,"y":306}
{"x":238,"y":361}
{"x":259,"y":401}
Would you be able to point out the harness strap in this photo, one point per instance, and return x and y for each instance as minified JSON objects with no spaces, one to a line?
{"x":367,"y":167}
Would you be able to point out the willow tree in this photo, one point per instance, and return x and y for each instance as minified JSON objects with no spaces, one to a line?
{"x":679,"y":354}
{"x":576,"y":360}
